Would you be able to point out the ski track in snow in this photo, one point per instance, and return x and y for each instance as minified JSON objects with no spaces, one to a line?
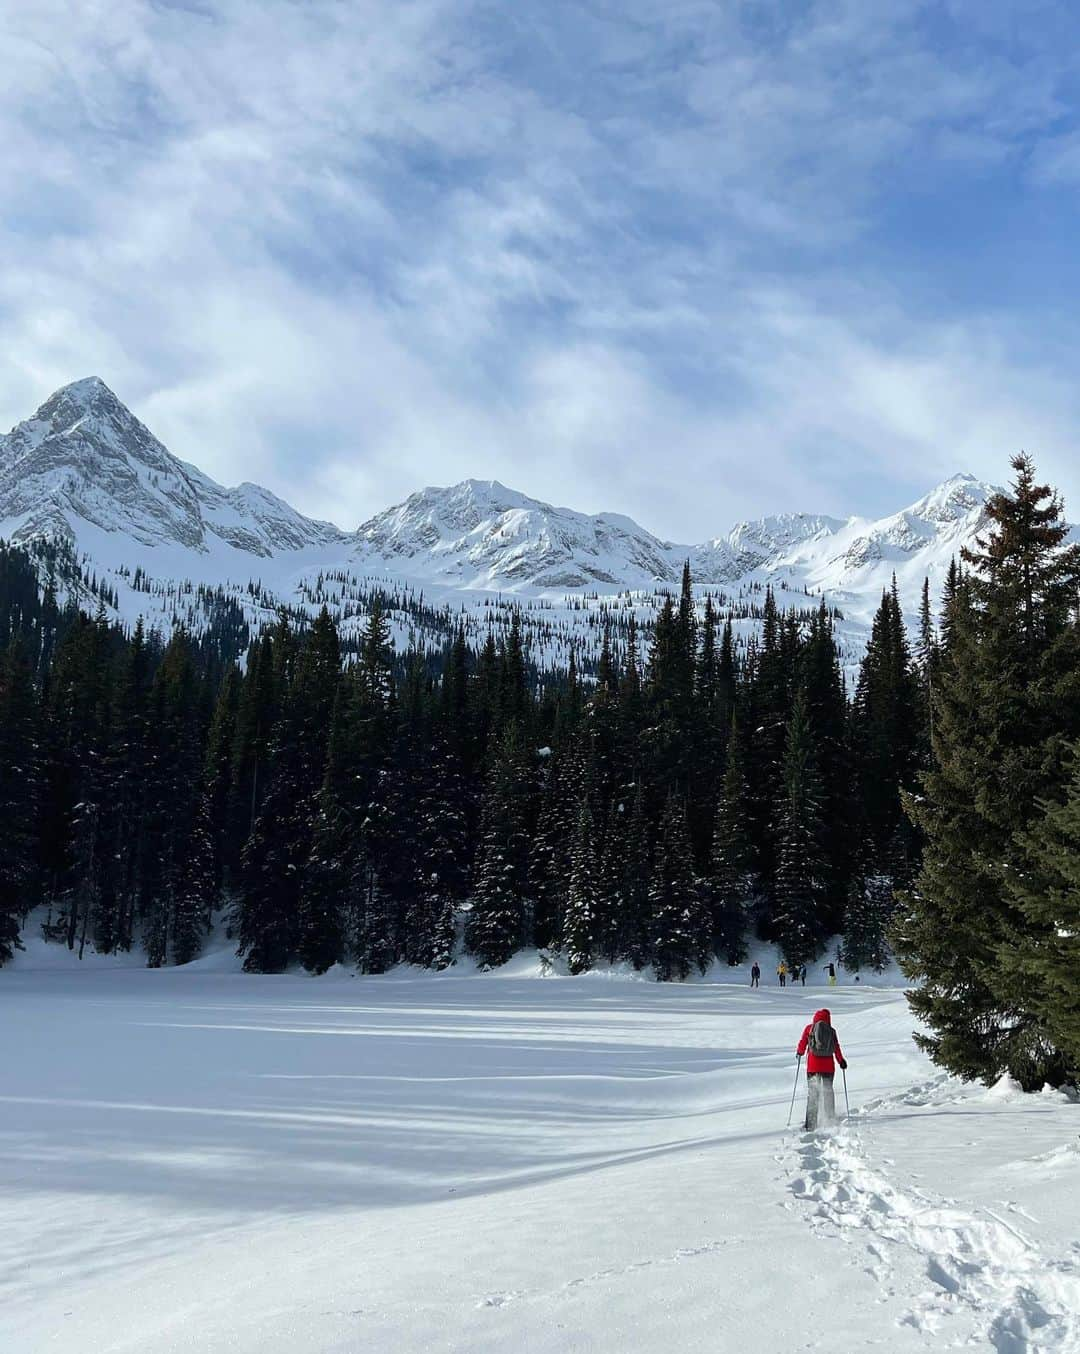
{"x":1022,"y":1301}
{"x":683,"y":1254}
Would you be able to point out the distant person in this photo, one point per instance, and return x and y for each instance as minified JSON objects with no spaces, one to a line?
{"x":822,"y":1049}
{"x":755,"y":976}
{"x":800,"y":973}
{"x":830,"y":969}
{"x":781,"y":973}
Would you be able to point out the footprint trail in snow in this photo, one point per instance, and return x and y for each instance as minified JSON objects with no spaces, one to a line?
{"x":1022,"y":1301}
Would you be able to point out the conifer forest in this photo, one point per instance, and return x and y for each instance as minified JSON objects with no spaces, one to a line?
{"x":663,"y":808}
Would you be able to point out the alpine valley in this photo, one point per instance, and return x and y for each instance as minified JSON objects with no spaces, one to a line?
{"x":117,"y":520}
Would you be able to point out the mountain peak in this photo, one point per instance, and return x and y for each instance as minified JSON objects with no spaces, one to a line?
{"x":85,"y":459}
{"x":86,"y":388}
{"x":89,"y":393}
{"x":954,"y":498}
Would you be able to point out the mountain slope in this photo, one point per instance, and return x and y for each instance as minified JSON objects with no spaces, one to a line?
{"x":85,"y":459}
{"x":479,"y":534}
{"x":84,"y":469}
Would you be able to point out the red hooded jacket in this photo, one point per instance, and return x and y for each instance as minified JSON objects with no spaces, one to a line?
{"x":814,"y":1063}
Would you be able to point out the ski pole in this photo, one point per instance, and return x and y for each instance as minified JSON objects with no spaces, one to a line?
{"x":794,"y":1089}
{"x":847,"y":1102}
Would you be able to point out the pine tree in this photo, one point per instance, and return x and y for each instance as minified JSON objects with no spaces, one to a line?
{"x":195,"y":889}
{"x":730,"y":882}
{"x":1007,"y":698}
{"x":886,"y":727}
{"x":611,"y":928}
{"x":579,"y":930}
{"x":867,"y":919}
{"x":217,"y":779}
{"x":20,"y":786}
{"x":280,"y":915}
{"x":674,"y":899}
{"x":634,"y":883}
{"x":440,"y":880}
{"x":767,"y":705}
{"x":800,"y":871}
{"x":496,"y":923}
{"x":268,"y":904}
{"x":126,"y":770}
{"x":1043,"y":954}
{"x":550,"y":850}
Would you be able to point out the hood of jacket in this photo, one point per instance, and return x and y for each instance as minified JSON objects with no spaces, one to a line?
{"x":823,"y":1014}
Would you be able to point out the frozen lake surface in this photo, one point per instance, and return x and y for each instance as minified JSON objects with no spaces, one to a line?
{"x":202,"y":1161}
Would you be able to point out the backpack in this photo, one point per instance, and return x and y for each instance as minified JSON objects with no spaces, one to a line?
{"x":822,"y":1041}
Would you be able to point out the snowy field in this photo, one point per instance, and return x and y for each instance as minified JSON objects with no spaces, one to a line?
{"x":198,"y":1161}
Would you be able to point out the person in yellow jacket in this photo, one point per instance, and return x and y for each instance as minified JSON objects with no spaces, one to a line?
{"x":781,"y":973}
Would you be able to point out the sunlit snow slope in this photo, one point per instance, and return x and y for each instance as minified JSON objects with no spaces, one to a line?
{"x":191,"y":1160}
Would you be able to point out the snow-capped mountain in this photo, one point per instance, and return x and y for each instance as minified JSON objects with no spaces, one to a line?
{"x":479,"y":534}
{"x":84,"y":469}
{"x":85,"y":459}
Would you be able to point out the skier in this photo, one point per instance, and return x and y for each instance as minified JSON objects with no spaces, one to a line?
{"x":755,"y":975}
{"x":830,"y":969}
{"x":820,"y":1044}
{"x":781,"y":973}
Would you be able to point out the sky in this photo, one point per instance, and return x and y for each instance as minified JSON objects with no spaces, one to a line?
{"x":690,"y":261}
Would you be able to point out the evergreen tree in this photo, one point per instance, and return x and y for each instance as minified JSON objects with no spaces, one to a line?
{"x":20,"y":787}
{"x":730,"y":882}
{"x":867,"y":919}
{"x":195,"y":889}
{"x":174,"y":831}
{"x":886,"y":726}
{"x":800,"y":871}
{"x":496,"y":923}
{"x":550,"y":851}
{"x":1043,"y":953}
{"x":1007,"y":698}
{"x":217,"y":780}
{"x":634,"y":884}
{"x":674,"y":900}
{"x":579,"y":930}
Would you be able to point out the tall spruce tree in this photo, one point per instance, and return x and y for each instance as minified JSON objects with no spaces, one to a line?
{"x":634,"y":878}
{"x":20,"y":789}
{"x":1042,"y":956}
{"x":674,"y":899}
{"x":867,"y":917}
{"x":798,"y":924}
{"x":580,"y":925}
{"x":495,"y":927}
{"x":730,"y":881}
{"x":1007,"y":699}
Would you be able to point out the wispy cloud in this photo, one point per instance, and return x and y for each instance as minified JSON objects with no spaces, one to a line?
{"x":679,"y":259}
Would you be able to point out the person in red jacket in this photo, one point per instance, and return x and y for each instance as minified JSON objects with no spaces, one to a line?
{"x":820,"y":1044}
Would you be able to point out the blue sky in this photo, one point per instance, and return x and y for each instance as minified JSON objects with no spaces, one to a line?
{"x":689,"y":261}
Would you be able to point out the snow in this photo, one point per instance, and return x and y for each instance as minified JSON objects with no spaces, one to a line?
{"x":191,"y":1159}
{"x":84,"y":467}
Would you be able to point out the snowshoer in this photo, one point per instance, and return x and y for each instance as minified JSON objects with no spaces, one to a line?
{"x":822,"y":1049}
{"x":781,"y":973}
{"x":830,"y":969}
{"x":755,"y":976}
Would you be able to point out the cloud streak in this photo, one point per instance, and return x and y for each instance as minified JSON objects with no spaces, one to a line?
{"x":680,"y":260}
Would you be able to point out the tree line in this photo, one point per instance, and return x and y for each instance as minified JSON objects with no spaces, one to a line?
{"x":370,"y":807}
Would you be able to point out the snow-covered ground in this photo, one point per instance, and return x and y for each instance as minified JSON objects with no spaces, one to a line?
{"x":193,"y":1160}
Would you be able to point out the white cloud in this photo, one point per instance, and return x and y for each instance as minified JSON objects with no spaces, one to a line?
{"x":615,"y":256}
